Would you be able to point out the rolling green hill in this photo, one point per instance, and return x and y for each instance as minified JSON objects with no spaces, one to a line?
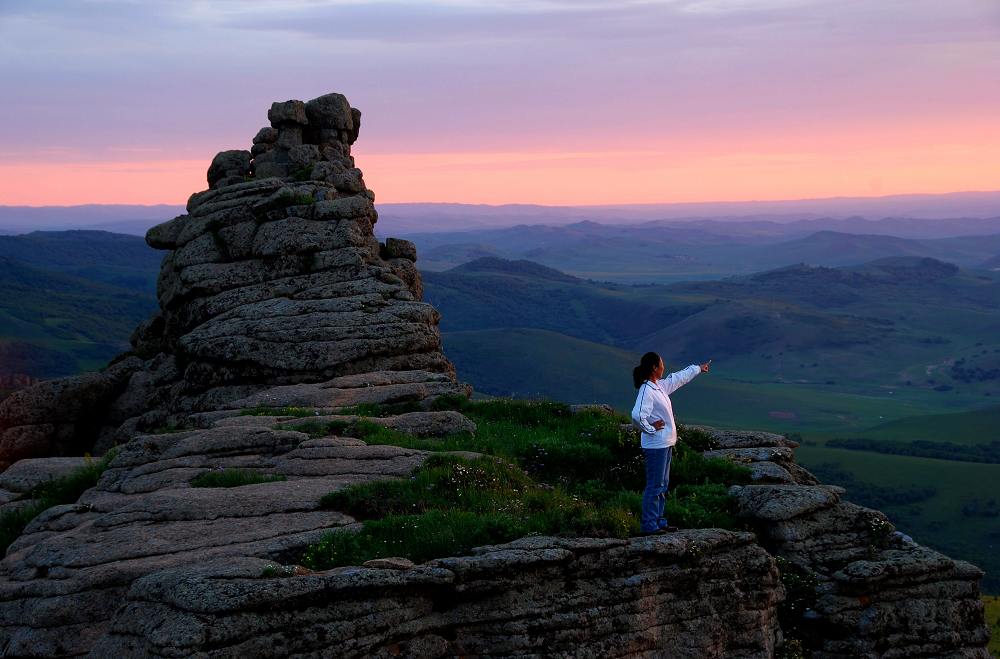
{"x":904,"y":328}
{"x":54,"y":324}
{"x":664,"y":252}
{"x":114,"y":258}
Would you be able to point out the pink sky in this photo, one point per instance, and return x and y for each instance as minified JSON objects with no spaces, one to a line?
{"x":551,"y":102}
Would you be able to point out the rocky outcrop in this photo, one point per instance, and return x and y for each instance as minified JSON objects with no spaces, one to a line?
{"x":701,"y":593}
{"x":147,"y":565}
{"x":863,"y":589}
{"x":273,"y":278}
{"x":63,"y":579}
{"x":61,"y":417}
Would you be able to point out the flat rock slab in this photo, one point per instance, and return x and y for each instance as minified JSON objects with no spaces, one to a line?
{"x":762,"y":454}
{"x":781,"y":502}
{"x":745,"y":438}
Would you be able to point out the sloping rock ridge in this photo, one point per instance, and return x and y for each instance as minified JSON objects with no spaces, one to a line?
{"x":273,"y":277}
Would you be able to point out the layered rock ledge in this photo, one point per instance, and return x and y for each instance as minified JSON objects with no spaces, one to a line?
{"x":865,"y":589}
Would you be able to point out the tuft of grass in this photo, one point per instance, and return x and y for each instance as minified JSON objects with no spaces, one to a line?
{"x":303,"y":173}
{"x":697,"y":439}
{"x":261,"y":410}
{"x":701,"y":506}
{"x":446,"y":402}
{"x":451,"y":505}
{"x":233,"y":478}
{"x":52,"y":493}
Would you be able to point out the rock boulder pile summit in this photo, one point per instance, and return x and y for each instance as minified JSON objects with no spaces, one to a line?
{"x":274,"y":277}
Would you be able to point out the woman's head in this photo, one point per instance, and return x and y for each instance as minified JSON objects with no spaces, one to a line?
{"x":648,"y":365}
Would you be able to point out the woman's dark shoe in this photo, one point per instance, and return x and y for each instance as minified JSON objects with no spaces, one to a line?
{"x":657,"y":531}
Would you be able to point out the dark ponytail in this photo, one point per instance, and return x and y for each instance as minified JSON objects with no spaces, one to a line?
{"x":645,"y":368}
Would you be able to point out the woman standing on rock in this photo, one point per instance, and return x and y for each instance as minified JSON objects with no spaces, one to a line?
{"x":654,"y":416}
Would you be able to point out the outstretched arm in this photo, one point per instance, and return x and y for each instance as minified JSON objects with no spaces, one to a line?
{"x":674,"y":381}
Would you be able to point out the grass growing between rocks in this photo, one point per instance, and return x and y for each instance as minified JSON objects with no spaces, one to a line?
{"x":52,"y":493}
{"x":451,"y":505}
{"x":233,"y":478}
{"x":546,"y":471}
{"x":992,"y":604}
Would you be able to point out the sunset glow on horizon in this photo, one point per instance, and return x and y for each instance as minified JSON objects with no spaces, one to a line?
{"x":558,"y":103}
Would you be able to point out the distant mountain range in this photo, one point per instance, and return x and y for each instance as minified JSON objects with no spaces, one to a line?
{"x":665,"y":252}
{"x":961,"y":209}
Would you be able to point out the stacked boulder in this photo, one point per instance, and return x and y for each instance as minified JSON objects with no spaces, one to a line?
{"x":273,"y":277}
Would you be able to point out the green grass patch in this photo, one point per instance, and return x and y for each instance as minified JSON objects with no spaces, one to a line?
{"x":992,"y":604}
{"x":545,"y":471}
{"x":52,"y":493}
{"x":233,"y":478}
{"x":451,"y":505}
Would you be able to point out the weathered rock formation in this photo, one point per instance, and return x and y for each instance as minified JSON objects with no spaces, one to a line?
{"x":695,"y":594}
{"x":273,"y":277}
{"x":863,"y":588}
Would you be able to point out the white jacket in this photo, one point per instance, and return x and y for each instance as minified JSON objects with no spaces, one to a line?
{"x":652,"y":404}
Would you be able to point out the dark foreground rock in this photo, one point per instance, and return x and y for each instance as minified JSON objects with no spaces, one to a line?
{"x":866,"y":590}
{"x":700,"y":593}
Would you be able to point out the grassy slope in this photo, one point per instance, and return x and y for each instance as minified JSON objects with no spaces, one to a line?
{"x":993,"y":621}
{"x":55,"y":324}
{"x":872,"y":331}
{"x":976,"y":427}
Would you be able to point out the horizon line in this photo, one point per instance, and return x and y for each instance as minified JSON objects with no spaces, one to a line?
{"x":608,"y":205}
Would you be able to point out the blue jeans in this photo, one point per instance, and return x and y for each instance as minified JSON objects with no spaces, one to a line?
{"x":654,"y":497}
